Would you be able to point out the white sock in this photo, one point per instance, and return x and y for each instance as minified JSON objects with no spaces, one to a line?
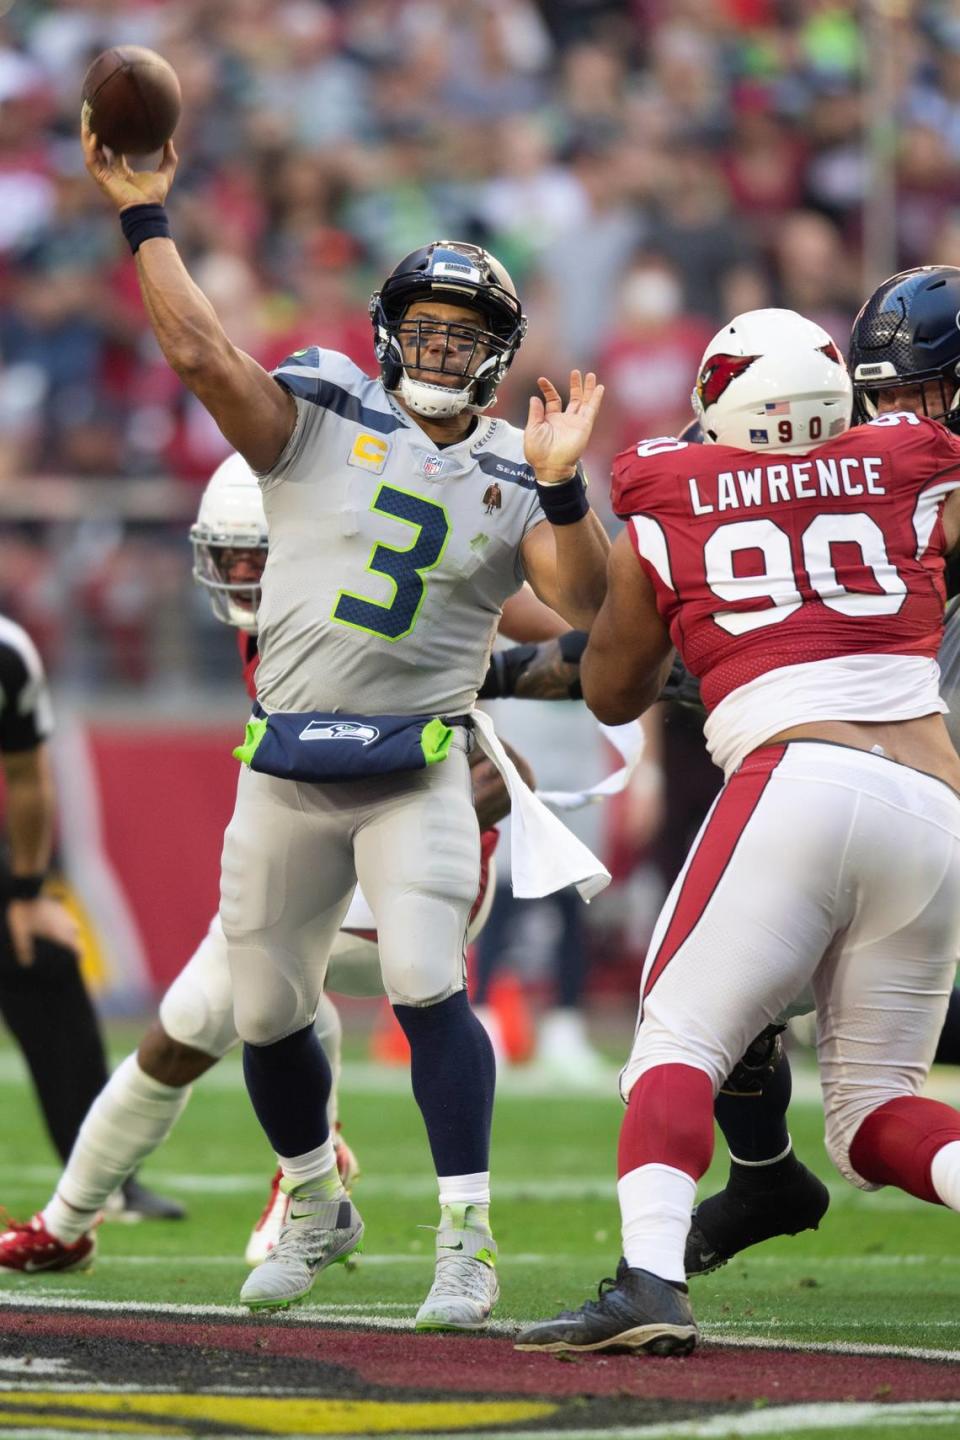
{"x":329,"y":1031}
{"x":656,"y":1202}
{"x":465,"y":1189}
{"x":312,"y":1165}
{"x":945,"y":1174}
{"x":131,"y":1116}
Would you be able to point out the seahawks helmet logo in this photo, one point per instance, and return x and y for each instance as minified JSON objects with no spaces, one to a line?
{"x":339,"y":730}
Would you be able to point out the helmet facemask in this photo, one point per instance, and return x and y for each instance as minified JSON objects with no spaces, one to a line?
{"x":448,"y":348}
{"x":477,"y":353}
{"x":938,"y":392}
{"x":214,"y":558}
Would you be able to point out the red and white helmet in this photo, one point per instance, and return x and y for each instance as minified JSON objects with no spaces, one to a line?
{"x":772,"y":380}
{"x":231,"y":517}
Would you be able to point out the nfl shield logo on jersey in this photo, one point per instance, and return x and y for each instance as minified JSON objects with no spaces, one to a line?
{"x":432,"y":466}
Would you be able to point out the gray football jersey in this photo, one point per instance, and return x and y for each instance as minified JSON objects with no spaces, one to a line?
{"x":389,"y":558}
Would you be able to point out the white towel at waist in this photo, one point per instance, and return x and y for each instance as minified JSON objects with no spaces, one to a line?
{"x":629,"y":741}
{"x":544,"y":855}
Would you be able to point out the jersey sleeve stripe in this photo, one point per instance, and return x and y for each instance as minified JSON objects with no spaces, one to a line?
{"x":927,"y":510}
{"x":650,"y":543}
{"x":306,"y":384}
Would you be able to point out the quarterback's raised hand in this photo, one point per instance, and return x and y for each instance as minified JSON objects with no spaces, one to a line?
{"x":555,"y":438}
{"x":121,"y":184}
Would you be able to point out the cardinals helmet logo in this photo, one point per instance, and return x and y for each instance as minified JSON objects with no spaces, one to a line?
{"x":716,"y":374}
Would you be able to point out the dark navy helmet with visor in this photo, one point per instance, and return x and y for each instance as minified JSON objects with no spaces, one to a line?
{"x":908,"y":334}
{"x":451,"y":272}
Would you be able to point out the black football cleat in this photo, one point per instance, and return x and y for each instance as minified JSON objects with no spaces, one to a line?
{"x":133,"y":1201}
{"x":747,"y":1211}
{"x":636,"y":1312}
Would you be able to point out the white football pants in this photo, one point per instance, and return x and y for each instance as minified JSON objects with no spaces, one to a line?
{"x":817,"y":864}
{"x":292,"y":854}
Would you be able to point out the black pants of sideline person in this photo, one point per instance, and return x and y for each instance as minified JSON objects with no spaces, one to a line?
{"x":49,"y":1012}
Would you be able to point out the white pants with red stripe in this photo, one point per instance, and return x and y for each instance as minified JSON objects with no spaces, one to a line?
{"x":818,"y":864}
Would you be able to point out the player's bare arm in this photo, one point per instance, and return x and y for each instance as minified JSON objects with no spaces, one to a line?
{"x":525,"y":618}
{"x":629,"y":653}
{"x":253,"y":412}
{"x":565,"y":564}
{"x":30,"y":806}
{"x":951,"y":520}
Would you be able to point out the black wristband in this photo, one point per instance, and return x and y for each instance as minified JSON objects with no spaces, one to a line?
{"x":565,"y":503}
{"x":23,"y":887}
{"x":506,"y":667}
{"x":572,"y":645}
{"x":144,"y":222}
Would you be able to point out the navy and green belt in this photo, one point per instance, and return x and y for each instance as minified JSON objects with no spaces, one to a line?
{"x":325,"y":746}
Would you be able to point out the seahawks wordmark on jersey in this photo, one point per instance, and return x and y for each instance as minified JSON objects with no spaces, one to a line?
{"x":387,"y":565}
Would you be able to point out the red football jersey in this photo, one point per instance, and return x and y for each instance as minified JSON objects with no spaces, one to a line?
{"x":250,"y":659}
{"x":764,"y":560}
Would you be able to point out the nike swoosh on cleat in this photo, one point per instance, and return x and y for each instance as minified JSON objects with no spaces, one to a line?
{"x":458,"y":1246}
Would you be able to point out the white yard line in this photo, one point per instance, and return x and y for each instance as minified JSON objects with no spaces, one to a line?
{"x":772,"y":1262}
{"x":23,"y":1180}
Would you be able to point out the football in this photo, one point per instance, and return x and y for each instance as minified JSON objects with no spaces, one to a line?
{"x":132,"y":99}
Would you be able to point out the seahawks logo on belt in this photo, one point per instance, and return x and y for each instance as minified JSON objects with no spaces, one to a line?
{"x":339,"y":730}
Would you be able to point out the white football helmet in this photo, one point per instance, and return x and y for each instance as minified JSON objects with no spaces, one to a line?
{"x":771,"y":380}
{"x":231,"y":517}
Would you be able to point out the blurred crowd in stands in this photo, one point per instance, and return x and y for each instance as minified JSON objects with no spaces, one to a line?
{"x":644,"y":168}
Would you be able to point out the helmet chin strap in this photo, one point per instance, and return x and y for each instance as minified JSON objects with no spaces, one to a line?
{"x":433,"y":401}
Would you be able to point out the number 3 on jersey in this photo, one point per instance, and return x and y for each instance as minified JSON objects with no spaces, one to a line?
{"x":405,"y":568}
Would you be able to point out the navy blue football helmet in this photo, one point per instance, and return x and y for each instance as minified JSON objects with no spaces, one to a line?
{"x":908,"y":333}
{"x":454,"y":273}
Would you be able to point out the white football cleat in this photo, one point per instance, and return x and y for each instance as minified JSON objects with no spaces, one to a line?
{"x":465,"y":1286}
{"x":317,"y":1232}
{"x":266,"y":1232}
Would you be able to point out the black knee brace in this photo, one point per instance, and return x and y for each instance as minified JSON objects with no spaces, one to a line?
{"x":760,"y":1060}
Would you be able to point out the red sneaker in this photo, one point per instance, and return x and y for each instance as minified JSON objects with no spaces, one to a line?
{"x":266,"y":1232}
{"x":347,"y":1164}
{"x":29,"y":1247}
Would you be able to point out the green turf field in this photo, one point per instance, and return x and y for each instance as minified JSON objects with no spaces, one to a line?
{"x":883,"y":1269}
